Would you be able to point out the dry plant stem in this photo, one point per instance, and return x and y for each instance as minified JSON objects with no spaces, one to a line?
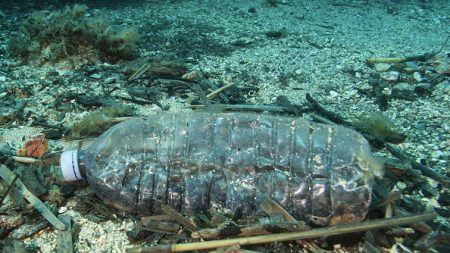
{"x":397,"y":152}
{"x":24,"y":159}
{"x":242,"y":107}
{"x":139,"y":72}
{"x":216,"y":92}
{"x":9,"y":176}
{"x":320,"y":232}
{"x":10,"y":187}
{"x":386,"y":60}
{"x":270,"y":206}
{"x":120,"y":119}
{"x":179,"y":218}
{"x":65,"y":243}
{"x":259,"y":229}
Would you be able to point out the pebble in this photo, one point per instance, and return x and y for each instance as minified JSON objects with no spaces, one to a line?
{"x":2,"y":78}
{"x":5,"y":149}
{"x":111,"y":79}
{"x":444,"y":198}
{"x":417,"y":76}
{"x":333,"y":94}
{"x":386,"y":91}
{"x":382,"y":67}
{"x":422,"y":87}
{"x":411,"y":66}
{"x":96,"y":76}
{"x":402,"y":87}
{"x":64,"y":72}
{"x":391,"y":76}
{"x":444,"y":212}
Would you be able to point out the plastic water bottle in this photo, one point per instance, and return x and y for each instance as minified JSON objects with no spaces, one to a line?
{"x":228,"y":161}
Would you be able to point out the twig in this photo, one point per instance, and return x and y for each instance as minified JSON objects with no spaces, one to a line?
{"x":24,"y":159}
{"x":65,"y":243}
{"x":9,"y":176}
{"x":260,"y":229}
{"x":161,"y":227}
{"x":415,"y":165}
{"x":10,"y":187}
{"x":179,"y":218}
{"x":216,"y":92}
{"x":270,"y":206}
{"x":324,"y":112}
{"x":320,"y":232}
{"x":242,"y":107}
{"x":421,"y":57}
{"x":139,"y":72}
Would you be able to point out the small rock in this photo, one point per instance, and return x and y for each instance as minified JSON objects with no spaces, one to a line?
{"x":352,"y":93}
{"x":191,"y":76}
{"x":444,"y":212}
{"x":242,"y":42}
{"x":333,"y":94}
{"x":275,"y":34}
{"x":96,"y":76}
{"x":390,"y":76}
{"x":111,"y":79}
{"x":402,"y":87}
{"x":423,"y":88}
{"x":386,"y":91}
{"x":437,"y":154}
{"x":417,"y":76}
{"x":444,"y":198}
{"x":443,"y":87}
{"x":5,"y":149}
{"x":382,"y":67}
{"x":64,"y":72}
{"x":411,"y":66}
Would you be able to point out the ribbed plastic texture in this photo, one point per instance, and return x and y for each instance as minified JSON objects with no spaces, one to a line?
{"x":196,"y":161}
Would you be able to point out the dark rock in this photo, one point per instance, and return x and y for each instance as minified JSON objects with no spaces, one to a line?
{"x":275,"y":34}
{"x":252,"y":10}
{"x":444,"y":212}
{"x":5,"y":149}
{"x":444,"y":198}
{"x":423,"y":88}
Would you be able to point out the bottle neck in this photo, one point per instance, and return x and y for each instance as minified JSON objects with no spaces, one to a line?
{"x":82,"y":157}
{"x":73,"y":165}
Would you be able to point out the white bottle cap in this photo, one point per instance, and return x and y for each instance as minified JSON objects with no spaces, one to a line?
{"x":69,"y":165}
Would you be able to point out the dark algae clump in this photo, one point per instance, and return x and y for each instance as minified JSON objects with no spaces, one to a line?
{"x":69,"y":34}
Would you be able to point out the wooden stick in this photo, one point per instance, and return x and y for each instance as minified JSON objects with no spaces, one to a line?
{"x":270,"y":206}
{"x":139,"y":72}
{"x":325,"y":113}
{"x":422,"y":57}
{"x":415,"y":165}
{"x":10,"y":187}
{"x":320,"y":232}
{"x":65,"y":243}
{"x":259,"y":229}
{"x":242,"y":107}
{"x":9,"y":176}
{"x":176,"y":216}
{"x":24,"y":159}
{"x":219,"y":90}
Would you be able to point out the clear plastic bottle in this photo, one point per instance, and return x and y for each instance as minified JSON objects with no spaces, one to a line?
{"x":227,"y":161}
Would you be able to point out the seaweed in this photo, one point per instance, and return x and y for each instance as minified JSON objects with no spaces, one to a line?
{"x":380,"y":126}
{"x":96,"y":122}
{"x":70,"y":34}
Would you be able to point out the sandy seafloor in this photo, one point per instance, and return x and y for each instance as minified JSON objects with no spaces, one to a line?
{"x":324,"y":53}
